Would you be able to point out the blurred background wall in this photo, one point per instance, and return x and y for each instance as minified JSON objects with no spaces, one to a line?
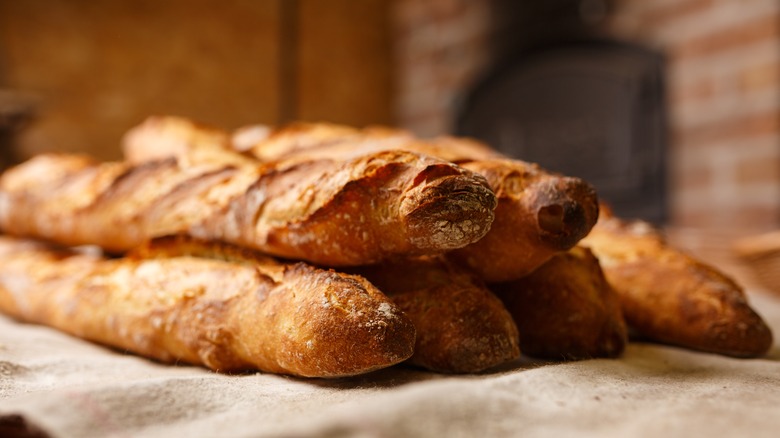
{"x":97,"y":67}
{"x":81,"y":72}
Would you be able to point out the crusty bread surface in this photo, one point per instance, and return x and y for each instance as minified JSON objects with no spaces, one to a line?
{"x":539,"y":213}
{"x":671,"y":297}
{"x":462,"y":327}
{"x":226,"y":315}
{"x":331,"y":213}
{"x":566,"y":310}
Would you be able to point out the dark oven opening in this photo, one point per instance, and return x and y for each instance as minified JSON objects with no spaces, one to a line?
{"x":584,"y":106}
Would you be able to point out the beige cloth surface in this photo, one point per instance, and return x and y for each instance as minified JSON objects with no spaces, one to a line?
{"x":66,"y":387}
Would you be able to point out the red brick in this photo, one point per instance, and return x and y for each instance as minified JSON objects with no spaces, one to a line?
{"x":408,"y":15}
{"x":446,"y":9}
{"x":427,"y":124}
{"x":701,"y":89}
{"x":746,"y":127}
{"x":759,"y":216}
{"x":743,"y":34}
{"x":760,"y":77}
{"x":658,"y":16}
{"x":758,"y":170}
{"x":739,"y":216}
{"x":692,"y":178}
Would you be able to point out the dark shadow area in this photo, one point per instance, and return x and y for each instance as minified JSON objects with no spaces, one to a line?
{"x":16,"y":426}
{"x":562,"y":95}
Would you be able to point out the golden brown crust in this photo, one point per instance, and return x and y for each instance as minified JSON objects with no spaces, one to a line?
{"x":361,"y":211}
{"x":461,"y":326}
{"x":539,"y":214}
{"x":305,"y":141}
{"x":291,"y":319}
{"x":670,"y":297}
{"x":566,"y":309}
{"x":332,"y":213}
{"x":113,"y":205}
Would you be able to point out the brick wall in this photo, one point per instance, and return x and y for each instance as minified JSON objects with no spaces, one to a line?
{"x":723,"y":85}
{"x":440,"y":46}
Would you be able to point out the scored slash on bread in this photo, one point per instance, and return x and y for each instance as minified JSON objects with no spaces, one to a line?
{"x":461,"y":327}
{"x":666,"y":296}
{"x":541,"y":213}
{"x":436,"y":224}
{"x":332,"y":213}
{"x":162,"y":303}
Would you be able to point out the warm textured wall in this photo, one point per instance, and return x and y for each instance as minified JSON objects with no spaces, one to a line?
{"x":345,"y":62}
{"x":101,"y":66}
{"x":441,"y":47}
{"x":723,"y":82}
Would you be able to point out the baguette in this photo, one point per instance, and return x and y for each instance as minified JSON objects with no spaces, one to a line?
{"x":670,"y":297}
{"x":331,"y":213}
{"x":539,"y":213}
{"x":461,"y":326}
{"x":566,"y":310}
{"x":279,"y":318}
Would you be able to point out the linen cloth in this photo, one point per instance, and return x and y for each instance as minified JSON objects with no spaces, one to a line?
{"x":54,"y":385}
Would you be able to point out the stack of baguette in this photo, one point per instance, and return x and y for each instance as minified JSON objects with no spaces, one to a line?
{"x":320,"y":250}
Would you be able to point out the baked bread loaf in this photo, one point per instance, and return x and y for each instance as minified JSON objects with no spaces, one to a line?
{"x":335,"y":213}
{"x":281,"y":318}
{"x":539,"y":213}
{"x":565,"y":309}
{"x":670,"y":297}
{"x":462,"y":327}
